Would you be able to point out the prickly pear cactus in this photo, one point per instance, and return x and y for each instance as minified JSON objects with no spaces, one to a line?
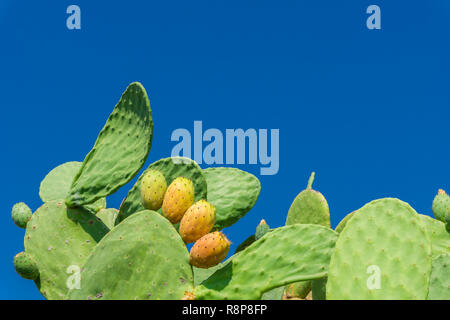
{"x":440,"y":278}
{"x":441,"y":205}
{"x":21,"y":214}
{"x":108,"y":216}
{"x":119,"y":152}
{"x":153,"y":188}
{"x":285,"y":255}
{"x":56,"y":185}
{"x":209,"y":250}
{"x":309,"y":206}
{"x":197,"y":221}
{"x":58,"y":238}
{"x":383,"y":253}
{"x":25,"y":266}
{"x":178,"y":198}
{"x":171,"y":168}
{"x":142,"y":258}
{"x":439,"y":237}
{"x":233,"y":192}
{"x":343,"y":222}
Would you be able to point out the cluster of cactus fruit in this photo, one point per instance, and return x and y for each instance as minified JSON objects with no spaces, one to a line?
{"x":78,"y":248}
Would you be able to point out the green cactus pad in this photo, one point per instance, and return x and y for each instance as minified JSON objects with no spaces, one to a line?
{"x":298,"y":289}
{"x":120,"y":151}
{"x":440,"y":239}
{"x":440,"y":278}
{"x":309,"y":207}
{"x":285,"y":255}
{"x":58,"y":238}
{"x":274,"y":294}
{"x":21,"y":214}
{"x":25,"y":266}
{"x":56,"y":185}
{"x":171,"y":168}
{"x":341,"y":225}
{"x":261,"y":229}
{"x":245,"y":243}
{"x":108,"y":217}
{"x":142,"y":258}
{"x":319,"y":289}
{"x":233,"y":192}
{"x":383,"y":253}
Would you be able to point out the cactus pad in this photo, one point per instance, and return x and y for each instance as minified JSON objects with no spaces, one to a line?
{"x":341,"y":225}
{"x":309,"y":207}
{"x":233,"y":192}
{"x":119,"y":152}
{"x":56,"y":185}
{"x":108,"y":217}
{"x":440,"y":278}
{"x":141,"y":258}
{"x":440,"y":239}
{"x":171,"y":168}
{"x":58,"y":238}
{"x":21,"y":214}
{"x":285,"y":255}
{"x":383,"y":253}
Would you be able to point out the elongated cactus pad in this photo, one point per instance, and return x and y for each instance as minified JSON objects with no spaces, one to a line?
{"x":56,"y":185}
{"x":142,"y":258}
{"x":108,"y":217}
{"x":59,"y":239}
{"x":233,"y":192}
{"x":440,"y":278}
{"x":440,"y":238}
{"x":171,"y":168}
{"x":119,"y":152}
{"x":383,"y":253}
{"x":285,"y":255}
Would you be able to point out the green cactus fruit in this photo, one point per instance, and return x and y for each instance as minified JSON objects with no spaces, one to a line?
{"x":197,"y":221}
{"x":25,"y":266}
{"x":153,"y":188}
{"x":120,"y":151}
{"x":441,"y":205}
{"x":440,"y":239}
{"x":171,"y":168}
{"x":383,"y":253}
{"x":142,"y":258}
{"x":440,"y":278}
{"x":56,"y":185}
{"x":60,"y":240}
{"x":284,"y":255}
{"x":318,"y":289}
{"x":209,"y":250}
{"x":343,"y":222}
{"x":298,"y":290}
{"x":233,"y":192}
{"x":309,"y":206}
{"x":108,"y":216}
{"x":261,"y":229}
{"x":21,"y":214}
{"x":177,"y":199}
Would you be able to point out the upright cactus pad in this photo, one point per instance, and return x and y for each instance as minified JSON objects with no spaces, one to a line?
{"x":171,"y":168}
{"x":309,"y":206}
{"x":233,"y":192}
{"x":58,"y":238}
{"x":285,"y":255}
{"x":142,"y":258}
{"x":119,"y":152}
{"x":383,"y":253}
{"x":440,"y":278}
{"x":21,"y":214}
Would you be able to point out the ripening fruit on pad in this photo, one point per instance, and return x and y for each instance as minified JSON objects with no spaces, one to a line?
{"x":25,"y":266}
{"x":197,"y":221}
{"x":178,"y":198}
{"x":153,"y":188}
{"x":21,"y":214}
{"x":209,"y":250}
{"x":383,"y":252}
{"x":441,"y":205}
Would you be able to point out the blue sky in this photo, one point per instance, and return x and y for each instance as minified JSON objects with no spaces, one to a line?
{"x":368,"y":110}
